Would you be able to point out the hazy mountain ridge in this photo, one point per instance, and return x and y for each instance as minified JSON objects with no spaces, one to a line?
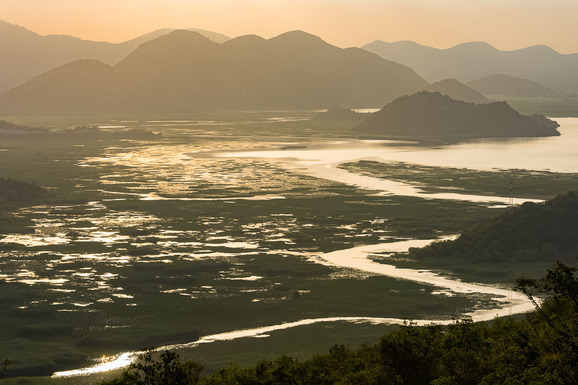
{"x":506,"y":85}
{"x":435,"y":115}
{"x":470,"y":61}
{"x":458,"y":91}
{"x":183,"y":70}
{"x":26,"y":54}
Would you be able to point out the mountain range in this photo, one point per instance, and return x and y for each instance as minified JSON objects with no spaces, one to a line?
{"x":510,"y":86}
{"x":184,"y":71}
{"x":470,"y":61}
{"x":26,"y":54}
{"x":170,"y":70}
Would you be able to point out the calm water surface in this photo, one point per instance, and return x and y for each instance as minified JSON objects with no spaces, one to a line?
{"x":157,"y":205}
{"x":557,"y":154}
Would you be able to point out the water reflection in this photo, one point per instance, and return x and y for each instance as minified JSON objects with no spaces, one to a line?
{"x":323,"y":159}
{"x":193,"y":226}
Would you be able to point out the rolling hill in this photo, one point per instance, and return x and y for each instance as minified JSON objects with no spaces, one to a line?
{"x":533,"y":232}
{"x":184,"y":71}
{"x":506,"y":85}
{"x":26,"y":54}
{"x":427,"y":114}
{"x":458,"y":91}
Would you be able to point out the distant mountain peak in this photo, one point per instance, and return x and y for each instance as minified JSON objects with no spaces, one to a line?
{"x":542,"y":49}
{"x":9,"y":28}
{"x":183,"y":70}
{"x":26,"y":54}
{"x":298,"y":37}
{"x":458,"y":91}
{"x":298,"y":33}
{"x":182,"y":35}
{"x":407,"y":43}
{"x":175,"y":42}
{"x":475,"y":49}
{"x":506,"y":85}
{"x":247,"y":41}
{"x":473,"y":60}
{"x":475,"y":44}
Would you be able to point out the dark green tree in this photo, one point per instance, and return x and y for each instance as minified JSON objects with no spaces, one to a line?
{"x":409,"y":355}
{"x":5,"y":363}
{"x":559,"y":313}
{"x":166,"y":370}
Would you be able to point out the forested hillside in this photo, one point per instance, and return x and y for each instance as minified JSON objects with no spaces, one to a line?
{"x":532,"y":232}
{"x":432,"y":114}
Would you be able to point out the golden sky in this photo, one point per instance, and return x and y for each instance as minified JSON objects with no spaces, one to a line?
{"x":506,"y":24}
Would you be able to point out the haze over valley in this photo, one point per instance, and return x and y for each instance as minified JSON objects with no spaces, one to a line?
{"x":272,"y":194}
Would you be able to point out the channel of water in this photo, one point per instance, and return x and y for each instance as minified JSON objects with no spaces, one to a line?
{"x":507,"y":302}
{"x":324,"y":163}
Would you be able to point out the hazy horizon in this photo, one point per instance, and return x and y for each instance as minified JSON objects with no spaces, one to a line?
{"x":442,"y":24}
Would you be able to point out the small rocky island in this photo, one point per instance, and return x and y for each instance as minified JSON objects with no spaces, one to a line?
{"x":337,"y":113}
{"x":431,"y":114}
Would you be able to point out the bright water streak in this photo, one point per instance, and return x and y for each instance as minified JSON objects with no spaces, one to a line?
{"x":552,"y":153}
{"x":324,"y":163}
{"x":555,"y":154}
{"x":358,"y":258}
{"x":354,"y":258}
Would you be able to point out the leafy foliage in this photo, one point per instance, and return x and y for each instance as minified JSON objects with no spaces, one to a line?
{"x":5,"y":363}
{"x":14,"y":191}
{"x":167,"y":370}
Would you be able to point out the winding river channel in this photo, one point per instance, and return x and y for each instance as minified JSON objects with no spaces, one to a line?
{"x":323,"y":161}
{"x":358,"y":258}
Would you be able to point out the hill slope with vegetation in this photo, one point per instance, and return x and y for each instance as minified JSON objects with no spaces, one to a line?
{"x":430,"y":114}
{"x":533,"y":232}
{"x":505,"y":85}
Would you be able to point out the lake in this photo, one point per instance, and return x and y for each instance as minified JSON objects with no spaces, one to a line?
{"x":218,"y":237}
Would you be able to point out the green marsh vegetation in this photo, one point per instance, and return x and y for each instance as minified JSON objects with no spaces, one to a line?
{"x":498,"y":265}
{"x":95,"y":268}
{"x":525,"y":183}
{"x":539,"y":348}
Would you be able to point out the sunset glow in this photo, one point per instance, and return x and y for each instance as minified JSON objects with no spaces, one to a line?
{"x":440,"y":23}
